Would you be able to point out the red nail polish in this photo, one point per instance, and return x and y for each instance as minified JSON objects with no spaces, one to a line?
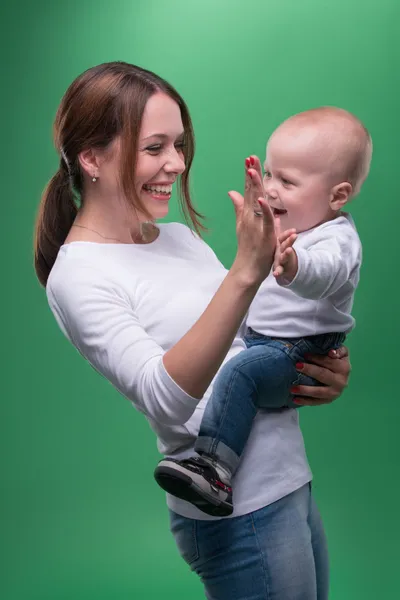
{"x":295,"y":389}
{"x":296,"y":401}
{"x":299,"y":365}
{"x":247,"y":162}
{"x":250,"y":174}
{"x":252,"y":161}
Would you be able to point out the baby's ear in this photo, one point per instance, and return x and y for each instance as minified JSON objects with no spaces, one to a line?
{"x":340,"y":194}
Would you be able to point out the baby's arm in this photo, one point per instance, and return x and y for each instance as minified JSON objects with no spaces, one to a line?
{"x":319,"y":270}
{"x":285,"y":263}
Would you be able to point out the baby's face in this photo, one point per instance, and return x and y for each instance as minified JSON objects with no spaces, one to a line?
{"x":296,"y":181}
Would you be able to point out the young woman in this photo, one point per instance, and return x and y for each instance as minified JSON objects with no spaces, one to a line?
{"x":155,"y":312}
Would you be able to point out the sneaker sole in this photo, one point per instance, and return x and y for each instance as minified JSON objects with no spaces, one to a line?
{"x":183,"y":487}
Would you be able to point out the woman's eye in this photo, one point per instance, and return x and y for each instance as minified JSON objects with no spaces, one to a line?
{"x":154,"y":149}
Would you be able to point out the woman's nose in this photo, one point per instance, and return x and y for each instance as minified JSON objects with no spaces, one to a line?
{"x":175,"y":162}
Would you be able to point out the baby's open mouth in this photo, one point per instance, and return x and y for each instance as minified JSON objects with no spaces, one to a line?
{"x":279,"y":211}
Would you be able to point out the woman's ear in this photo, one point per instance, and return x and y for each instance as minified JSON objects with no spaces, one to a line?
{"x":340,"y":195}
{"x":89,"y":162}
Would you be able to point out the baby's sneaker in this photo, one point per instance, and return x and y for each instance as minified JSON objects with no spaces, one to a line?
{"x":198,"y":480}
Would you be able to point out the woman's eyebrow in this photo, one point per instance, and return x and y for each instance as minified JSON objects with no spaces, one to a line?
{"x":162,"y":136}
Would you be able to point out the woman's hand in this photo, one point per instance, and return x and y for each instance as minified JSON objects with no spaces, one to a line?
{"x":332,"y":370}
{"x":255,"y":230}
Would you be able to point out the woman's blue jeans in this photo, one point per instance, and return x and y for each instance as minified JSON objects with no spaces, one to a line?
{"x":276,"y":553}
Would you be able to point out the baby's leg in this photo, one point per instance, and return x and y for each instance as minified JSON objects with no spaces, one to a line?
{"x":259,"y":377}
{"x":205,"y":480}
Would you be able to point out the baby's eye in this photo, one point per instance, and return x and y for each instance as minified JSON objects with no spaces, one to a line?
{"x":286,"y":181}
{"x":267,"y":175}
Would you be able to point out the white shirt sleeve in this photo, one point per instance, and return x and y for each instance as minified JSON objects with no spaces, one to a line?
{"x":326,"y":265}
{"x":98,"y":318}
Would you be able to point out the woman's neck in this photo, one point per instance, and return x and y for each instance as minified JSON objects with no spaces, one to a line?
{"x":114,"y":224}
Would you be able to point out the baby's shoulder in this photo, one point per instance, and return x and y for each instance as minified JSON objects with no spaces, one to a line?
{"x":342,"y":228}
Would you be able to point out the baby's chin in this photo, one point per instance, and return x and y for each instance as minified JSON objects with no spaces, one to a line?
{"x":303,"y":227}
{"x":284,"y":220}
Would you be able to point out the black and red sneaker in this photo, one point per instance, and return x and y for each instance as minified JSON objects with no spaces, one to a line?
{"x":198,"y":481}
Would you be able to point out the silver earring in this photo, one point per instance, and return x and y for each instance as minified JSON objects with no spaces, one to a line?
{"x":94,"y":179}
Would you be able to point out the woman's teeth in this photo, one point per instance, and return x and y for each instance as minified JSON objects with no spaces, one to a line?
{"x":160,"y":189}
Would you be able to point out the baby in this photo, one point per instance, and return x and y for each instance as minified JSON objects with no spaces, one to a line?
{"x":316,"y":162}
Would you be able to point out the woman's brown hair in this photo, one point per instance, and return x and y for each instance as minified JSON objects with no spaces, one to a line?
{"x":103,"y":102}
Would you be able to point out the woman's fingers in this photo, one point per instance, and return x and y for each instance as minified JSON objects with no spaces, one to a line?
{"x":316,"y":392}
{"x":250,"y":195}
{"x":338,"y":365}
{"x":237,"y":201}
{"x":313,"y":401}
{"x":333,"y":372}
{"x":310,"y":395}
{"x":255,"y":164}
{"x":323,"y":374}
{"x":269,"y":221}
{"x":255,"y":182}
{"x":341,"y":352}
{"x":278,"y":230}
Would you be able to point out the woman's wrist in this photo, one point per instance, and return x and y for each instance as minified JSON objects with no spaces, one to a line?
{"x":245,"y":277}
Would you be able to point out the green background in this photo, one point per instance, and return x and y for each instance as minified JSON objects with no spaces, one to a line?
{"x":82,"y":518}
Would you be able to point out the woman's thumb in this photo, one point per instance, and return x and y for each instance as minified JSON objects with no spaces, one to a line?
{"x":237,"y":201}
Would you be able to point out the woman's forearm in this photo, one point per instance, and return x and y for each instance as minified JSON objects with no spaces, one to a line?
{"x":193,"y":362}
{"x":195,"y":359}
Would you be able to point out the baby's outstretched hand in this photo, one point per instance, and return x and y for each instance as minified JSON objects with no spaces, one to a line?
{"x":286,"y":264}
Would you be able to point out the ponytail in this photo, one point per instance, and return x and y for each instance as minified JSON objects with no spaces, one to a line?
{"x":57,"y":211}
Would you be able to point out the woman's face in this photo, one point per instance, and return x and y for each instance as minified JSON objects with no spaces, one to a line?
{"x":160,"y":156}
{"x":160,"y":153}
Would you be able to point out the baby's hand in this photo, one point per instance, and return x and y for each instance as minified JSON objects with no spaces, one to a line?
{"x":286,"y":264}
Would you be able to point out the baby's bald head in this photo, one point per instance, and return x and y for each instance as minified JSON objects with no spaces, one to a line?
{"x":330,"y":140}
